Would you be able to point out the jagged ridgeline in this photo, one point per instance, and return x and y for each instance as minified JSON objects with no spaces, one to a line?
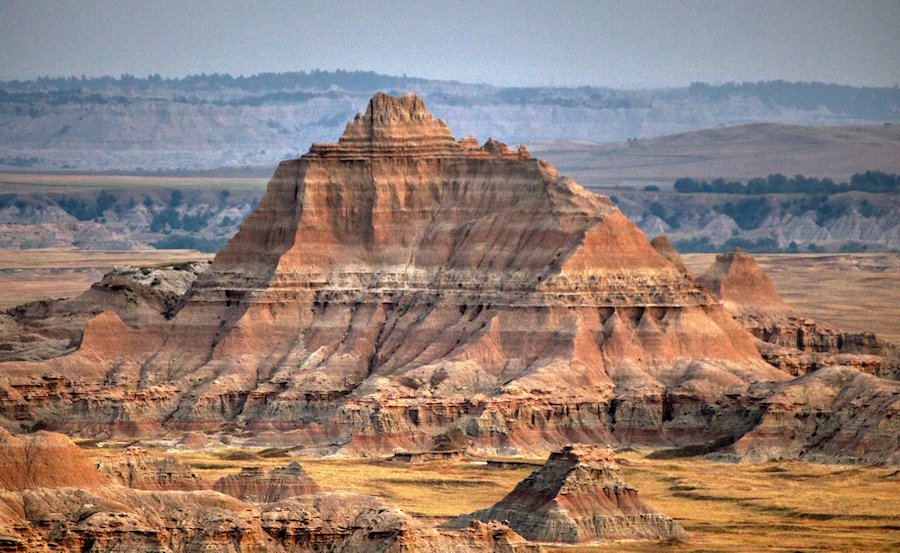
{"x":401,"y":285}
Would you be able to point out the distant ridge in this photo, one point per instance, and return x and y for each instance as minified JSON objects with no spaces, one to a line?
{"x":205,"y":121}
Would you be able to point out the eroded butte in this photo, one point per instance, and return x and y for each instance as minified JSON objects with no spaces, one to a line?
{"x":401,"y":286}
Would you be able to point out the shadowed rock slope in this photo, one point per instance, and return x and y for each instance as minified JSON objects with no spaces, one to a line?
{"x":400,"y":286}
{"x":139,"y":295}
{"x":578,"y":496}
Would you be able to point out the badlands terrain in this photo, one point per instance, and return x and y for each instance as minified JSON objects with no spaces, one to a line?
{"x":461,"y":311}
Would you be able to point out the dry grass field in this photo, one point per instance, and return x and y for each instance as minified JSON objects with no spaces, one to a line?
{"x":854,"y":292}
{"x":778,"y":507}
{"x":29,"y":275}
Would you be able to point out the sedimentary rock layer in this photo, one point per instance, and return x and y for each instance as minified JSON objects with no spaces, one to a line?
{"x":136,"y":468}
{"x":53,"y":499}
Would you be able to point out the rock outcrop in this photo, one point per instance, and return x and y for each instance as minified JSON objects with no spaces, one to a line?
{"x":665,"y":248}
{"x":254,"y":485}
{"x":53,"y":499}
{"x":342,"y":521}
{"x":138,"y":295}
{"x":832,"y":415}
{"x":43,"y":460}
{"x":136,"y":468}
{"x":793,"y":343}
{"x":578,"y":496}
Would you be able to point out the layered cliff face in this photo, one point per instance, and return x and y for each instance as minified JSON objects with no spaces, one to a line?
{"x":400,"y":285}
{"x":789,"y":341}
{"x":578,"y":496}
{"x":833,"y":415}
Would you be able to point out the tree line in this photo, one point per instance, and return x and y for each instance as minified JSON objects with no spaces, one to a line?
{"x":871,"y":181}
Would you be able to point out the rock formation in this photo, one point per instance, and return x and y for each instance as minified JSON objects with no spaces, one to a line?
{"x":578,"y":496}
{"x":135,"y":468}
{"x":43,"y":460}
{"x":52,"y":499}
{"x":832,"y":415}
{"x":343,"y":521}
{"x":665,"y":248}
{"x":399,"y":287}
{"x":138,"y":295}
{"x":252,"y":484}
{"x":793,"y":343}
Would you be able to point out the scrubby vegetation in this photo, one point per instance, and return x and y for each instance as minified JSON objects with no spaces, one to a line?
{"x":864,"y":103}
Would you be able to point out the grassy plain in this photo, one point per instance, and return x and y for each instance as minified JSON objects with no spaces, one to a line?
{"x":777,"y":507}
{"x":854,"y":292}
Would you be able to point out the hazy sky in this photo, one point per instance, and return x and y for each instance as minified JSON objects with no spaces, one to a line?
{"x":631,"y":44}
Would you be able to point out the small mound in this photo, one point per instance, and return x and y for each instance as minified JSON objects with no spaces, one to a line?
{"x":578,"y":496}
{"x":252,"y":484}
{"x":192,"y":440}
{"x":44,"y":460}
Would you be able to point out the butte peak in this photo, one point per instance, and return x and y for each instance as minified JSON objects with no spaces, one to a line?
{"x":385,"y":109}
{"x":399,"y":127}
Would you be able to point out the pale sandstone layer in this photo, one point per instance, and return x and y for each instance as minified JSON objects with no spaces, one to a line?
{"x":578,"y":496}
{"x":400,"y":286}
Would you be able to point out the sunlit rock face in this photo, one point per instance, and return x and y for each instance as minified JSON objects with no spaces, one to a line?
{"x":400,"y":285}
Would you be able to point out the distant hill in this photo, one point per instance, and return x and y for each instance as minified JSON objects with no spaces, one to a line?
{"x":740,"y":153}
{"x":203,"y":121}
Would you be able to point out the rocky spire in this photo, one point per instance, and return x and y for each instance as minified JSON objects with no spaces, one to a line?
{"x":393,"y":127}
{"x":252,"y":484}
